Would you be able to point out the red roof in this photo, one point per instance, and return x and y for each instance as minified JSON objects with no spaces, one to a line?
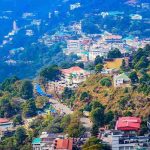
{"x":110,"y":37}
{"x":74,"y":69}
{"x":128,"y":123}
{"x":66,"y":144}
{"x":3,"y":120}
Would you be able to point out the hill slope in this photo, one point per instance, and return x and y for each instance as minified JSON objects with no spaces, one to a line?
{"x":115,"y":99}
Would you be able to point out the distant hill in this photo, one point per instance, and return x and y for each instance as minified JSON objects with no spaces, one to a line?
{"x":88,"y":14}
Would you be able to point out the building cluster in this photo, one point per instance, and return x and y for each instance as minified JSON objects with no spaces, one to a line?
{"x":71,"y":78}
{"x":90,"y":46}
{"x":125,"y":136}
{"x":50,"y":141}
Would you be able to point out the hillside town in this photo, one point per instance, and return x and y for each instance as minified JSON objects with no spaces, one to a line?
{"x":76,"y":77}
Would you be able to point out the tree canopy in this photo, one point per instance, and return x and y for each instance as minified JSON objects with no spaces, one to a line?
{"x":51,"y":73}
{"x":26,"y":89}
{"x":114,"y":54}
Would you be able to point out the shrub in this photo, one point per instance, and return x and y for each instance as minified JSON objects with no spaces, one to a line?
{"x":123,"y":101}
{"x":84,"y":96}
{"x":105,"y":82}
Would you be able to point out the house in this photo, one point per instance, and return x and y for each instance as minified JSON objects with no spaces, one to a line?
{"x":121,"y":80}
{"x":75,"y":74}
{"x":63,"y":144}
{"x":128,"y":124}
{"x":45,"y":141}
{"x":5,"y":123}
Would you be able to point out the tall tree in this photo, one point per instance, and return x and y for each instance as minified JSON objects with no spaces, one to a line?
{"x":114,"y":54}
{"x":26,"y":89}
{"x":133,"y":76}
{"x":51,"y":73}
{"x":97,"y":116}
{"x":98,"y":68}
{"x":98,"y":60}
{"x":20,"y":135}
{"x":29,"y":109}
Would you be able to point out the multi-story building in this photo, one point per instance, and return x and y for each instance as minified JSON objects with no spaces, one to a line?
{"x":99,"y":51}
{"x":125,"y":137}
{"x":73,"y":46}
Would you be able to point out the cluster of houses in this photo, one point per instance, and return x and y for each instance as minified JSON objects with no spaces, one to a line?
{"x":88,"y":47}
{"x":123,"y":137}
{"x":50,"y":141}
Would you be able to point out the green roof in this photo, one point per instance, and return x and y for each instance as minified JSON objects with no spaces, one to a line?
{"x":122,"y":76}
{"x":36,"y":141}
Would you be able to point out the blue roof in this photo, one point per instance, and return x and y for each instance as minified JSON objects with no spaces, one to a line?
{"x":40,"y":91}
{"x":36,"y":141}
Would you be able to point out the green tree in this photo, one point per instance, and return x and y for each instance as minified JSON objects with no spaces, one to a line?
{"x":105,"y":82}
{"x":98,"y":68}
{"x":41,"y":101}
{"x":26,"y":89}
{"x":67,"y":93}
{"x":109,"y":116}
{"x":7,"y":85}
{"x":142,"y":63}
{"x":114,"y":54}
{"x":29,"y":108}
{"x":80,"y":64}
{"x":97,"y":116}
{"x":98,"y":60}
{"x":84,"y":96}
{"x":17,"y":120}
{"x":95,"y":130}
{"x":96,"y":104}
{"x":20,"y":135}
{"x":133,"y":76}
{"x":123,"y":65}
{"x":51,"y":73}
{"x":6,"y":108}
{"x":92,"y":144}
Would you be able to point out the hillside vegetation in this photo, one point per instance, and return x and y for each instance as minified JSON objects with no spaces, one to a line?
{"x":120,"y":100}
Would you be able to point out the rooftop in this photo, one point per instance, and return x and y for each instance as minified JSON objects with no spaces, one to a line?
{"x":66,"y":144}
{"x":122,"y":76}
{"x":72,"y":70}
{"x":4,"y":120}
{"x":36,"y":141}
{"x":128,"y":123}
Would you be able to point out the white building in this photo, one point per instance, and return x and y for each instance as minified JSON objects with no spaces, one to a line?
{"x":121,"y":80}
{"x":99,"y":51}
{"x":29,"y":33}
{"x":75,"y":6}
{"x":136,"y":17}
{"x":73,"y":46}
{"x":121,"y":142}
